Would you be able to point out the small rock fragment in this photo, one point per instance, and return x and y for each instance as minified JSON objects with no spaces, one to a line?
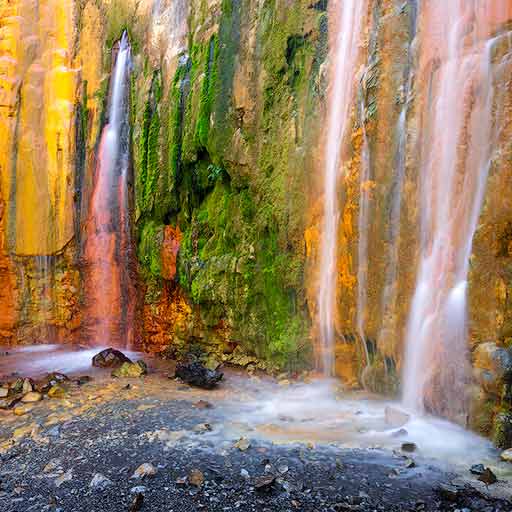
{"x":201,"y":428}
{"x":477,"y":469}
{"x":196,"y":478}
{"x":84,"y":379}
{"x":401,"y":432}
{"x":243,"y":444}
{"x":100,"y":482}
{"x":409,"y":447}
{"x":137,"y":502}
{"x":202,"y":404}
{"x":144,"y":470}
{"x":31,"y":397}
{"x":264,"y":482}
{"x":27,"y":386}
{"x":448,"y":492}
{"x":488,"y":477}
{"x":244,"y":474}
{"x":57,"y":391}
{"x":138,"y":489}
{"x":65,"y":477}
{"x":22,"y":409}
{"x":181,"y":481}
{"x":409,"y":463}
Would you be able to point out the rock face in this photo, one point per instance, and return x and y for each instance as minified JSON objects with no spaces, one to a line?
{"x":228,"y":119}
{"x":198,"y":375}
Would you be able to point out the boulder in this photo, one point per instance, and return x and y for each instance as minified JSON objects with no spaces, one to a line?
{"x":110,"y":358}
{"x":198,"y":375}
{"x":507,"y":455}
{"x":133,"y":370}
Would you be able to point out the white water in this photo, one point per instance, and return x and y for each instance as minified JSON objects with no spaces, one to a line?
{"x":455,"y":162}
{"x":343,"y":69}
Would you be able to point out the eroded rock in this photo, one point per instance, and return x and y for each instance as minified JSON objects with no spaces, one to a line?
{"x":198,"y":375}
{"x":395,"y":417}
{"x":110,"y":358}
{"x":131,"y":370}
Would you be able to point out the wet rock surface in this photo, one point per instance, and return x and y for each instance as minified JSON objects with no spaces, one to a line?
{"x":110,"y":358}
{"x":196,"y":374}
{"x":147,"y":453}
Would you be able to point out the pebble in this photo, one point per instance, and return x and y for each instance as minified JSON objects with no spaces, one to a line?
{"x":100,"y":482}
{"x":138,"y":489}
{"x":144,"y":470}
{"x":32,"y":396}
{"x":243,"y":444}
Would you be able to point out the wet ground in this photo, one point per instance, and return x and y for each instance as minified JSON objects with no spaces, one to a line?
{"x":250,"y":445}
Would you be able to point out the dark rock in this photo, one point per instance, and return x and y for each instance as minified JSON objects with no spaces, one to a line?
{"x":448,"y":492}
{"x":202,"y":404}
{"x":409,"y":447}
{"x":198,"y":375}
{"x":488,"y":477}
{"x":110,"y":358}
{"x":264,"y":482}
{"x":137,"y":502}
{"x":477,"y":469}
{"x":84,"y":379}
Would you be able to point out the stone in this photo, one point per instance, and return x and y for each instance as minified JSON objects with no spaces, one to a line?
{"x":31,"y":397}
{"x":131,"y":370}
{"x":202,"y":404}
{"x":395,"y":417}
{"x":201,"y":428}
{"x":137,"y":502}
{"x":198,"y":375}
{"x":4,"y":392}
{"x":27,"y":386}
{"x":448,"y":492}
{"x":50,"y":380}
{"x":264,"y":482}
{"x":144,"y":470}
{"x":65,"y":477}
{"x":196,"y":478}
{"x":138,"y":488}
{"x":100,"y":482}
{"x":477,"y":469}
{"x":244,"y":474}
{"x":409,"y":447}
{"x":488,"y":477}
{"x":507,"y":455}
{"x":84,"y":379}
{"x":110,"y":358}
{"x":22,"y":409}
{"x":243,"y":444}
{"x":10,"y":401}
{"x":57,"y":391}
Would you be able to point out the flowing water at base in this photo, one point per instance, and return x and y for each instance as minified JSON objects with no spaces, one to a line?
{"x":318,"y":412}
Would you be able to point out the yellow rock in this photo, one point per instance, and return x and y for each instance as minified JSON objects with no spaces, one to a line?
{"x":21,"y":410}
{"x":32,"y":396}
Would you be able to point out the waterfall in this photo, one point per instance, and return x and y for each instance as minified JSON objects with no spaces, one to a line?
{"x":349,"y":27}
{"x":108,"y":246}
{"x":455,"y":159}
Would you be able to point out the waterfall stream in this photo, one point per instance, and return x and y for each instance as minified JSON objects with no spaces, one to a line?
{"x":455,"y":159}
{"x":108,"y":242}
{"x":344,"y":64}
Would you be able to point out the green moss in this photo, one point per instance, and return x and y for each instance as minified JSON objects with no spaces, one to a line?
{"x":149,"y":249}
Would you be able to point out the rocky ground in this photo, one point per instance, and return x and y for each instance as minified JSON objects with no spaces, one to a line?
{"x":155,"y":444}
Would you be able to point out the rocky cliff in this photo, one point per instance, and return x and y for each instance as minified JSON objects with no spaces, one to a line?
{"x":228,"y":108}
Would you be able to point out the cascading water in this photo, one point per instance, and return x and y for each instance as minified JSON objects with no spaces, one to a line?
{"x":349,"y":15}
{"x":108,"y":245}
{"x":455,"y":158}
